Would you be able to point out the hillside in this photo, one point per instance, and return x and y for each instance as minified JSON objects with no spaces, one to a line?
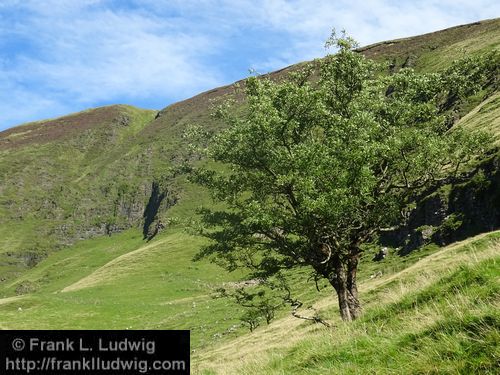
{"x":92,"y":236}
{"x":70,"y":179}
{"x":437,"y":316}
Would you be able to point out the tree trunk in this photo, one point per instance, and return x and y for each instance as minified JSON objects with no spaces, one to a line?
{"x":339,"y":282}
{"x":343,"y":297}
{"x":343,"y":280}
{"x":352,"y":286}
{"x":341,"y":273}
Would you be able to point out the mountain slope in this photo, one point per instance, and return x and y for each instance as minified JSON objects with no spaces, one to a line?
{"x":94,"y":173}
{"x":84,"y":200}
{"x":69,"y":179}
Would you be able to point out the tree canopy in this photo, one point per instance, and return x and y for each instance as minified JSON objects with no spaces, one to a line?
{"x":320,"y":161}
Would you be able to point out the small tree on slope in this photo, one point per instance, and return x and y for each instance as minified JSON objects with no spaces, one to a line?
{"x":321,"y":161}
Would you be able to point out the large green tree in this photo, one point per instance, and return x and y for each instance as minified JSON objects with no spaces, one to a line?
{"x":320,"y":161}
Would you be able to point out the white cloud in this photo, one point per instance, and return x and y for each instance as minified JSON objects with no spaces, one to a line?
{"x":17,"y":103}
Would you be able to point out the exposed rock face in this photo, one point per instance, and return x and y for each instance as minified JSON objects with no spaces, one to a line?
{"x":453,"y":212}
{"x":160,"y":199}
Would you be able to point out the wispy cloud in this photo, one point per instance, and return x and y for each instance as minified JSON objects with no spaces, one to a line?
{"x":58,"y":56}
{"x":308,"y":23}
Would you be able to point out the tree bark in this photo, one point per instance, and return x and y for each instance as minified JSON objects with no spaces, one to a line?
{"x":339,"y":282}
{"x":352,"y":286}
{"x":343,"y":297}
{"x":341,"y":273}
{"x":342,"y":278}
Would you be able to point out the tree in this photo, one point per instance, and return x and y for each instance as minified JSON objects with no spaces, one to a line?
{"x":258,"y":305}
{"x":319,"y":162}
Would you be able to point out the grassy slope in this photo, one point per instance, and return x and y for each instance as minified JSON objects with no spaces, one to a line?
{"x":486,"y":117}
{"x":440,"y":315}
{"x":66,"y":179}
{"x":436,"y":50}
{"x":123,"y":282}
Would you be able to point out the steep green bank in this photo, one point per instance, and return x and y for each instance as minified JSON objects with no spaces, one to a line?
{"x":436,"y":316}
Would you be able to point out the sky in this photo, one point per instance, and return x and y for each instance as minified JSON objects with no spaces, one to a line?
{"x":63,"y":56}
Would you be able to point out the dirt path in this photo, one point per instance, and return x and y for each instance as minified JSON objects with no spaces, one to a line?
{"x":4,"y":301}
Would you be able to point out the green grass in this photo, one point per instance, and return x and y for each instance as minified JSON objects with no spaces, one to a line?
{"x":485,"y":117}
{"x":155,"y":286}
{"x":436,"y":317}
{"x":123,"y":282}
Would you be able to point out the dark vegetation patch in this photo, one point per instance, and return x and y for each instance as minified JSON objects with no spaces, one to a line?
{"x":60,"y":128}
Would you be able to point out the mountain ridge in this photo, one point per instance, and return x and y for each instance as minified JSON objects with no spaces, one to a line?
{"x":374,"y":50}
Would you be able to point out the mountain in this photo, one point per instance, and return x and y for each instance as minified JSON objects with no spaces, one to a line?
{"x":92,"y":217}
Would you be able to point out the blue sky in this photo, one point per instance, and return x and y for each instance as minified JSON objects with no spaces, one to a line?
{"x":62,"y":56}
